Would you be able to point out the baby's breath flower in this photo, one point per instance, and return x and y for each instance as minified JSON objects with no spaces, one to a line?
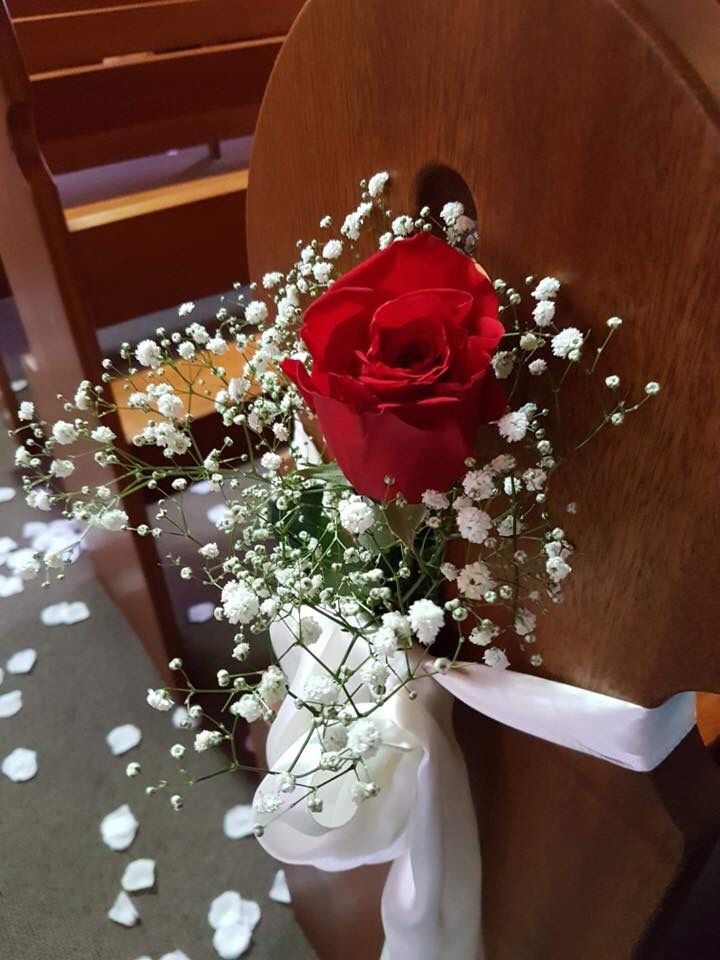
{"x":426,"y":619}
{"x":159,"y":700}
{"x":148,"y":354}
{"x":568,"y":340}
{"x":547,"y":289}
{"x":356,"y":515}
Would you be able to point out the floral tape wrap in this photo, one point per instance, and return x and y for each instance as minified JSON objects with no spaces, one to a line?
{"x":423,"y":819}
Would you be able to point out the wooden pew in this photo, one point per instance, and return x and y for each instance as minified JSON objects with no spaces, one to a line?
{"x":57,"y":39}
{"x":177,"y":240}
{"x":587,"y":136}
{"x":75,"y":270}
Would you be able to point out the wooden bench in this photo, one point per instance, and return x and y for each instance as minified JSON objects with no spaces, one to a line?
{"x":115,"y":252}
{"x":587,"y":134}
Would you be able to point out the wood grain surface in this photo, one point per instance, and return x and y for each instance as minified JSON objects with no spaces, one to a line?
{"x":587,"y":135}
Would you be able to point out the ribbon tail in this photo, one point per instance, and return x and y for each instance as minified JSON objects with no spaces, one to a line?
{"x":431,"y":904}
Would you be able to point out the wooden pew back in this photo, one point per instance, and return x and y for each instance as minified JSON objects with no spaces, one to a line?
{"x":56,"y":39}
{"x":58,"y":324}
{"x":114,"y":83}
{"x":587,"y":136}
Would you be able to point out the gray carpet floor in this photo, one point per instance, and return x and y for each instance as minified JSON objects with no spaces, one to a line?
{"x":57,"y":878}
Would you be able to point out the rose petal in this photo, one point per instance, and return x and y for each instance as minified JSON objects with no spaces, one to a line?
{"x":123,"y":911}
{"x":17,"y":385}
{"x":239,"y":821}
{"x":22,"y":662}
{"x":179,"y":715}
{"x":123,"y":738}
{"x":20,"y":765}
{"x":58,"y":536}
{"x":217,"y":513}
{"x":419,"y":263}
{"x":175,"y":955}
{"x":229,"y":908}
{"x":201,"y":488}
{"x":7,"y":545}
{"x":7,"y":493}
{"x":200,"y":612}
{"x":138,"y":875}
{"x":10,"y":586}
{"x":10,"y":703}
{"x":32,"y":528}
{"x":279,"y":890}
{"x":232,"y":941}
{"x":64,"y":613}
{"x":118,"y":829}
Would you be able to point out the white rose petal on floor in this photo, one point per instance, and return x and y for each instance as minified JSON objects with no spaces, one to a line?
{"x":7,"y":493}
{"x":175,"y":955}
{"x":22,"y":662}
{"x":239,"y":821}
{"x":180,"y":717}
{"x":20,"y":765}
{"x":217,"y":513}
{"x":64,"y":613}
{"x":138,"y":875}
{"x":10,"y":585}
{"x":7,"y":545}
{"x":232,"y":942}
{"x":118,"y":829}
{"x":10,"y":703}
{"x":229,"y":908}
{"x":200,"y":612}
{"x":123,"y":738}
{"x":202,"y":488}
{"x":279,"y":890}
{"x":123,"y":911}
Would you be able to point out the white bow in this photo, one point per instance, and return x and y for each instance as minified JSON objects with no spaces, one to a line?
{"x":423,"y":818}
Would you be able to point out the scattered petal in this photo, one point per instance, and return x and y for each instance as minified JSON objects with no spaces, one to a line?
{"x":65,"y":613}
{"x":232,"y":941}
{"x":229,"y":908}
{"x":7,"y":545}
{"x":57,"y":536}
{"x":123,"y":738}
{"x":217,"y":513}
{"x":123,"y":911}
{"x":10,"y":703}
{"x":17,"y":385}
{"x":279,"y":890}
{"x":10,"y":586}
{"x":22,"y":662}
{"x":239,"y":821}
{"x":20,"y":765}
{"x":180,"y":717}
{"x":200,"y":612}
{"x":118,"y":829}
{"x":138,"y":875}
{"x":202,"y":487}
{"x":7,"y":493}
{"x":175,"y":955}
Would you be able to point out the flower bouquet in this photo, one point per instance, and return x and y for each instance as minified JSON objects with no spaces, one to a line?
{"x":386,"y":468}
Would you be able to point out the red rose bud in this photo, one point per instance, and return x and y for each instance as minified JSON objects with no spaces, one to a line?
{"x":401,"y":377}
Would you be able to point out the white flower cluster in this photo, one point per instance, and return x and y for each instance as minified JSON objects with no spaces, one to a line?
{"x":410,"y":585}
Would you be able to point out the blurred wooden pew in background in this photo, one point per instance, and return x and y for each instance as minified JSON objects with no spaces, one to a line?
{"x":113,"y":206}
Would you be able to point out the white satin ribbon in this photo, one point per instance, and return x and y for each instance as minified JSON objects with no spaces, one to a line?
{"x":423,"y":819}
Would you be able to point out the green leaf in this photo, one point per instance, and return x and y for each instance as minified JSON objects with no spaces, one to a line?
{"x":404,"y":521}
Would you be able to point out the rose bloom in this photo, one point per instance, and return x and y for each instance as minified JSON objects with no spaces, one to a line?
{"x":401,"y":377}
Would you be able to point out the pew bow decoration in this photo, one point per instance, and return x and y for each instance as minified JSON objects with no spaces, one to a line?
{"x":424,"y":823}
{"x":424,"y":532}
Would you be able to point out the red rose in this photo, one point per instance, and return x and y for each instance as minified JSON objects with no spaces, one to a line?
{"x":401,"y":376}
